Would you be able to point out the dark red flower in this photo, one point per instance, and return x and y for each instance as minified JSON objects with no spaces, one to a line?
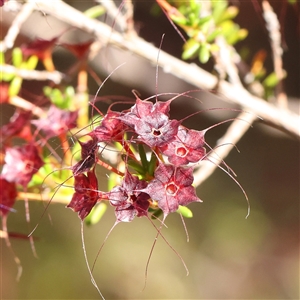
{"x":39,"y":47}
{"x":80,"y":50}
{"x":187,"y":147}
{"x":128,"y":199}
{"x":57,"y":121}
{"x":171,"y":187}
{"x":111,"y":128}
{"x":21,"y":163}
{"x":2,"y":2}
{"x":151,"y":122}
{"x":18,"y":125}
{"x":86,"y":194}
{"x":88,"y":157}
{"x":8,"y":196}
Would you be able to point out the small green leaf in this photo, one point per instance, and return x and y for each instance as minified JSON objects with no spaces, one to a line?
{"x":185,"y":212}
{"x":134,"y":165}
{"x":179,"y":20}
{"x":15,"y":86}
{"x":152,"y":164}
{"x":204,"y":53}
{"x":6,"y":76}
{"x":271,"y":81}
{"x":143,"y":157}
{"x":95,"y":11}
{"x":70,"y":91}
{"x":204,"y":20}
{"x":56,"y":97}
{"x":211,"y":37}
{"x":17,"y":57}
{"x":230,"y":13}
{"x":96,"y":214}
{"x":219,"y":8}
{"x":47,"y":91}
{"x":2,"y":58}
{"x":191,"y":48}
{"x":32,"y":62}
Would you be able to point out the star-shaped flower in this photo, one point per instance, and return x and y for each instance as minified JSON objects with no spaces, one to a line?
{"x":171,"y":187}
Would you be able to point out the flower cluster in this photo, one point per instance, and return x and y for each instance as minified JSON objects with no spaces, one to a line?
{"x":161,"y":181}
{"x":25,"y":140}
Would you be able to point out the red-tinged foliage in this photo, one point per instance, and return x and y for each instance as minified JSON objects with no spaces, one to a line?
{"x":4,"y":86}
{"x":128,"y":199}
{"x":8,"y":194}
{"x":57,"y":121}
{"x":39,"y":47}
{"x":171,"y":187}
{"x":111,"y":128}
{"x":19,"y":125}
{"x":86,"y":194}
{"x":187,"y":147}
{"x":80,"y":50}
{"x":2,"y":2}
{"x":88,"y":157}
{"x":21,"y":163}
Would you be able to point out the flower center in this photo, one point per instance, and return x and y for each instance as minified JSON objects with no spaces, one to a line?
{"x":171,"y":188}
{"x":131,"y":198}
{"x":181,"y":151}
{"x":156,"y":132}
{"x":28,"y":166}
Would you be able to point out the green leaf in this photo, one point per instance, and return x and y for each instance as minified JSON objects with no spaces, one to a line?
{"x":230,"y":13}
{"x":152,"y":164}
{"x":96,"y":214}
{"x":95,"y":11}
{"x":6,"y":76}
{"x":2,"y":58}
{"x":191,"y":48}
{"x":185,"y":212}
{"x":143,"y":157}
{"x":179,"y":20}
{"x":204,"y":53}
{"x":15,"y":86}
{"x":32,"y":62}
{"x":219,"y":8}
{"x":271,"y":81}
{"x":134,"y":165}
{"x":211,"y":37}
{"x":17,"y":57}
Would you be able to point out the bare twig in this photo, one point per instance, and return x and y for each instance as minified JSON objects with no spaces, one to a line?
{"x":273,"y":27}
{"x":187,"y":72}
{"x":54,"y":76}
{"x":65,"y":199}
{"x":14,"y":29}
{"x":114,"y":12}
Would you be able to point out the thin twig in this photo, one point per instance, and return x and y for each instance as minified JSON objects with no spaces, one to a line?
{"x":273,"y":27}
{"x":14,"y":29}
{"x":114,"y":12}
{"x":54,"y":76}
{"x":188,"y":72}
{"x":65,"y":199}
